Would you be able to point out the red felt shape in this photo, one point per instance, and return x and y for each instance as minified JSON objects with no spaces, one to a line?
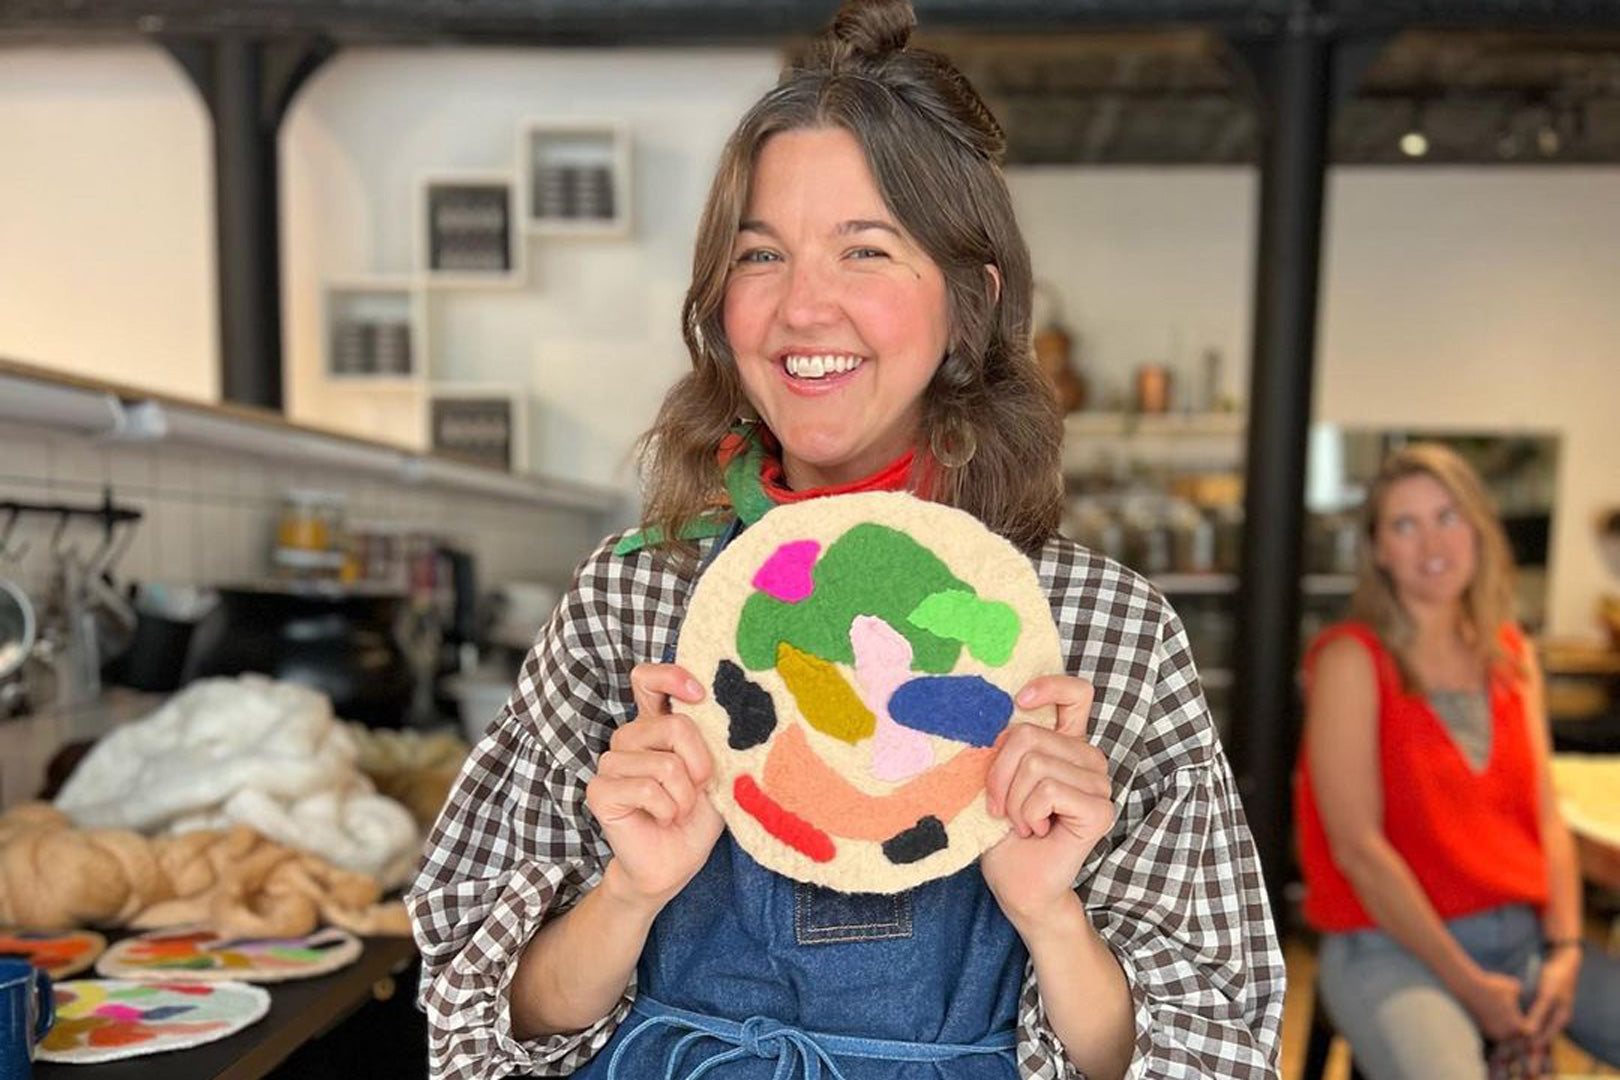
{"x":786,"y":826}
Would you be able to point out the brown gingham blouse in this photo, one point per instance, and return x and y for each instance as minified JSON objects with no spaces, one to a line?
{"x":1175,"y":888}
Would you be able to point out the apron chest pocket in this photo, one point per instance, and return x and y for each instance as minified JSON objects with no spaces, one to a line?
{"x":825,"y":917}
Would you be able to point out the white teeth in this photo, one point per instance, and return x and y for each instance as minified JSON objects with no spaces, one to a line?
{"x":815,"y":366}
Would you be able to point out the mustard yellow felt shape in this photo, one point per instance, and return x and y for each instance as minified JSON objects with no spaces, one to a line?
{"x":828,"y":702}
{"x":988,"y":628}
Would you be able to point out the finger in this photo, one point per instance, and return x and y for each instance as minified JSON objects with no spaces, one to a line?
{"x":1036,"y":768}
{"x":1051,"y":802}
{"x":1071,"y":695}
{"x":664,"y":767}
{"x":1539,"y":1010}
{"x":1552,"y":1018}
{"x":671,"y":732}
{"x":613,"y":799}
{"x":653,"y":685}
{"x":1011,"y":745}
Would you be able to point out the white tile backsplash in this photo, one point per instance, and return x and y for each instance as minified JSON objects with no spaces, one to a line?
{"x":210,"y":513}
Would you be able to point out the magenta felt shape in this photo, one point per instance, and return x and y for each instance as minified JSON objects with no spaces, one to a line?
{"x":785,"y":576}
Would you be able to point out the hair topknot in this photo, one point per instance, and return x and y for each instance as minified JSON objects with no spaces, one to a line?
{"x":872,"y":29}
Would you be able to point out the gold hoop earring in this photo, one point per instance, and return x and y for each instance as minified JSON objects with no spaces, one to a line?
{"x":960,"y":449}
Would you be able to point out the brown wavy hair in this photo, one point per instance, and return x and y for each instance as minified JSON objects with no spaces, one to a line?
{"x":1487,"y":602}
{"x":990,"y":414}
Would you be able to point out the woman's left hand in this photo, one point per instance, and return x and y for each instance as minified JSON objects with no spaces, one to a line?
{"x":1555,"y":995}
{"x":1053,"y":788}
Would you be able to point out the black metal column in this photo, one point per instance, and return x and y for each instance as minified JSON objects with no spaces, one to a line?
{"x":247,"y":85}
{"x":249,"y":245}
{"x":1296,"y":87}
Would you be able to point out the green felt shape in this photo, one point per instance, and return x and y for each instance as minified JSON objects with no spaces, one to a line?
{"x":989,"y":628}
{"x":825,"y":697}
{"x":870,"y":570}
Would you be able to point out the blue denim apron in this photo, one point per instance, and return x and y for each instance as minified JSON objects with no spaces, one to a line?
{"x":748,"y":975}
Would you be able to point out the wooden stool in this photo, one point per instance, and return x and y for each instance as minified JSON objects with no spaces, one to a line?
{"x":1320,"y":1042}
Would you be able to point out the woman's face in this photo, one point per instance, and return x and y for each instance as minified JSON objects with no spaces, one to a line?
{"x":1424,"y":542}
{"x":837,"y":317}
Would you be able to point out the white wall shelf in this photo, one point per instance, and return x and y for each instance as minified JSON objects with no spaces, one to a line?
{"x":575,"y":177}
{"x":487,"y":422}
{"x":468,"y":232}
{"x":374,"y":329}
{"x":110,"y":411}
{"x":1216,"y":584}
{"x":1122,"y":424}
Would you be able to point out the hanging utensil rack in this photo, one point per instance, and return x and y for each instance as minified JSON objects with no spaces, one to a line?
{"x":109,"y":513}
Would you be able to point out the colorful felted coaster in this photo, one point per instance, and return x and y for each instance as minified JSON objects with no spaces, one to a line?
{"x":203,"y":954}
{"x":105,"y":1019}
{"x":60,"y":952}
{"x":861,"y":653}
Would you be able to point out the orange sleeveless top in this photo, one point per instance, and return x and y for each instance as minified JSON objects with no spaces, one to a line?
{"x":1473,"y":840}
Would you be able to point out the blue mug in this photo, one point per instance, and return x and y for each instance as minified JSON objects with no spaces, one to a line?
{"x":27,"y":1010}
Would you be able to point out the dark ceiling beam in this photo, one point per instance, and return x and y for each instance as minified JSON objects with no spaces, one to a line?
{"x":697,"y":22}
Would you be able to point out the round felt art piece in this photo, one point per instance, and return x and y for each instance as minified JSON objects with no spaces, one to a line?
{"x":59,"y":952}
{"x":196,"y":953}
{"x":107,"y":1019}
{"x":860,"y":655}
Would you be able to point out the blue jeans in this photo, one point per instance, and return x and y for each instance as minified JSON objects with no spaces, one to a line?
{"x":1403,"y":1024}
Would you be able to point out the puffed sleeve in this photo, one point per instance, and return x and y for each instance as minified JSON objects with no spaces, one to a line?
{"x":1175,"y":889}
{"x":515,"y":845}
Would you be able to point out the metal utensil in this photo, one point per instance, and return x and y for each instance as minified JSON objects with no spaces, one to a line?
{"x":16,"y":628}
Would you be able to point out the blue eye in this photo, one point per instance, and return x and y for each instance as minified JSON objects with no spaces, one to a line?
{"x":758,"y":255}
{"x":1449,"y":516}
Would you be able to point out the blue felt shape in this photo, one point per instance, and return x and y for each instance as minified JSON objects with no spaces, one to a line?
{"x":967,"y":708}
{"x":163,"y":1012}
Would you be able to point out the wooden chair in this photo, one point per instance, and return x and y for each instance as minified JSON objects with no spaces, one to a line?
{"x":1320,"y":1043}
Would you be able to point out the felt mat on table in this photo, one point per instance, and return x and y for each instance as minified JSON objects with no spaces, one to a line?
{"x":860,"y":655}
{"x":60,"y":952}
{"x":202,"y":954}
{"x":106,"y":1019}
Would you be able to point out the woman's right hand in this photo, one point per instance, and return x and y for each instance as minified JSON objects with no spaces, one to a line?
{"x":1495,"y":1002}
{"x":648,"y":792}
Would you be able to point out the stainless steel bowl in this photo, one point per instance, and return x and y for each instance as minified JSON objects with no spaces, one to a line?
{"x":16,"y":629}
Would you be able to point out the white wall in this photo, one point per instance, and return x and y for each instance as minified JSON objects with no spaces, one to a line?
{"x":1507,"y":316}
{"x":107,"y":218}
{"x":596,"y":330}
{"x":1151,"y":265}
{"x":1451,"y":298}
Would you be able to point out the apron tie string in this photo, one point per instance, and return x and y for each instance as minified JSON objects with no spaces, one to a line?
{"x":797,"y":1053}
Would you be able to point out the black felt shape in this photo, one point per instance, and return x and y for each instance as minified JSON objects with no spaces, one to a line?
{"x":917,"y":842}
{"x":750,"y":714}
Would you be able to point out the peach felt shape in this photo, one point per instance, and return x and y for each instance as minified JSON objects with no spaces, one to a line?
{"x":803,"y":784}
{"x":882,"y":665}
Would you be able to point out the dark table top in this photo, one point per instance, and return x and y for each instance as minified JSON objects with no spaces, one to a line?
{"x":299,"y":1011}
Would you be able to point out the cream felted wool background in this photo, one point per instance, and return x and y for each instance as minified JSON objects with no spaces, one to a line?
{"x":996,"y":571}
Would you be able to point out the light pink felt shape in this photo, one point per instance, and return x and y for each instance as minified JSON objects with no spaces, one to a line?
{"x":804,"y":784}
{"x":882,"y":664}
{"x":786,"y":574}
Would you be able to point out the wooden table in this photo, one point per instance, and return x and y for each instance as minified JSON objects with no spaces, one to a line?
{"x":1597,"y":835}
{"x":299,"y":1011}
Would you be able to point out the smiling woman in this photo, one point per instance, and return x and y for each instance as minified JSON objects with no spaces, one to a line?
{"x":836,"y":318}
{"x":858,"y":322}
